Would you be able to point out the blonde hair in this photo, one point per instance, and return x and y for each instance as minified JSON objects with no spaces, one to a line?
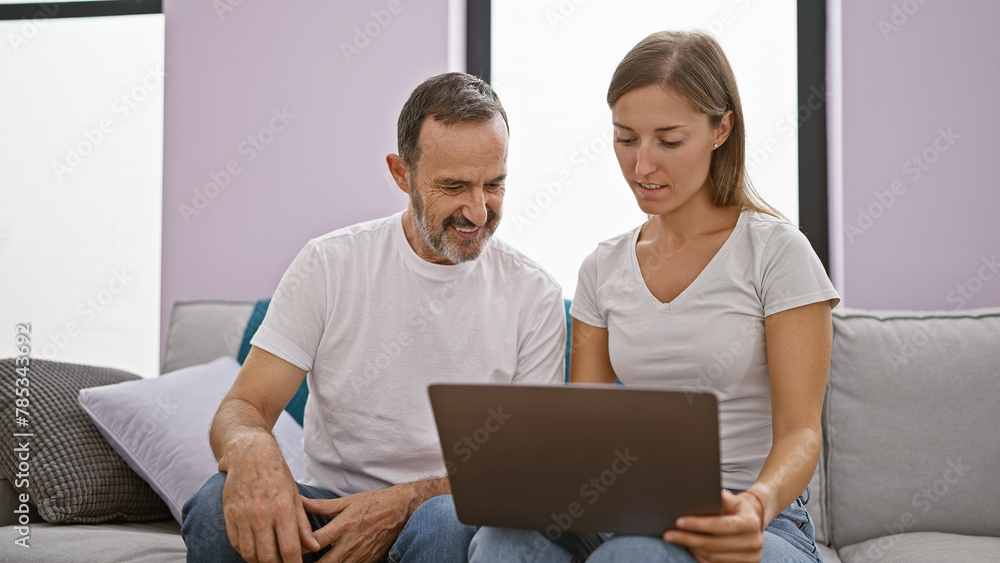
{"x":693,"y":64}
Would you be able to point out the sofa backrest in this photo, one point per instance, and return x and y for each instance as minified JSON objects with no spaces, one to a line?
{"x":910,"y":419}
{"x":911,"y":424}
{"x":201,"y":331}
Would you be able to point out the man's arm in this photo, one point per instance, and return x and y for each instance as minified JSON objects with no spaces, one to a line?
{"x":265,"y":519}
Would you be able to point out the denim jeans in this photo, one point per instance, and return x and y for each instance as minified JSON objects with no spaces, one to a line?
{"x":433,"y":532}
{"x":790,"y":537}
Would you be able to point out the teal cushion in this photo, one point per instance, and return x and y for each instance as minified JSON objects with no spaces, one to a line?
{"x":569,"y":338}
{"x":297,"y":406}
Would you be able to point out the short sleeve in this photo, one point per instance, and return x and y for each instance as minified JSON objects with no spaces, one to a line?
{"x":295,"y":319}
{"x":542,"y":351}
{"x":585,"y":306}
{"x":791,"y":273}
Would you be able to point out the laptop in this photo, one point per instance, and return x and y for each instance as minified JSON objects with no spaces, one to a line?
{"x":579,"y":458}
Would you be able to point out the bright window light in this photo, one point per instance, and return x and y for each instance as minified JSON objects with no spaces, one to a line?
{"x":81,"y":134}
{"x":551,"y":65}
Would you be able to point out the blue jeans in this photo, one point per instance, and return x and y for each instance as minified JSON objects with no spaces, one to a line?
{"x":790,"y":537}
{"x":433,"y":532}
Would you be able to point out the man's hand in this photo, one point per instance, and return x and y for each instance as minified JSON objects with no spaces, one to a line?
{"x":734,"y":536}
{"x":366,"y":524}
{"x":265,"y":519}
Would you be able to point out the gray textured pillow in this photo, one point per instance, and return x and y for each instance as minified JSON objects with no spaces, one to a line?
{"x":74,"y":475}
{"x":912,"y":424}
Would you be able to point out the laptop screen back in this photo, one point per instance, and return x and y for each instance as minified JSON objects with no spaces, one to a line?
{"x":579,"y":458}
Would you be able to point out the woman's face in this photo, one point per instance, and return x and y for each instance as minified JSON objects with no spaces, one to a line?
{"x":664,"y":148}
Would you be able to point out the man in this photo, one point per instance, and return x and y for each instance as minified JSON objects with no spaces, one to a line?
{"x":373,"y":313}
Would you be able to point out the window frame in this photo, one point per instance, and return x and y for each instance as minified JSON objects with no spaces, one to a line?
{"x":90,"y":9}
{"x":814,"y":218}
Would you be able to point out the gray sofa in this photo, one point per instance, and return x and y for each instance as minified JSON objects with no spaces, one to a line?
{"x":908,"y":472}
{"x":911,"y":438}
{"x":199,"y":332}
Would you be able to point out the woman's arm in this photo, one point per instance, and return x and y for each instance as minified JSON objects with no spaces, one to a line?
{"x":799,"y":342}
{"x":589,"y":359}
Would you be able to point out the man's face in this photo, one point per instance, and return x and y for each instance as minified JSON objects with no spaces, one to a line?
{"x":456,"y":188}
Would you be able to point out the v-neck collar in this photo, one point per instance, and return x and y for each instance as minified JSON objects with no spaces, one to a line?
{"x":693,"y":287}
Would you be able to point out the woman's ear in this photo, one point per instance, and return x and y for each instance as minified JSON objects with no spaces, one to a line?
{"x":724,"y":128}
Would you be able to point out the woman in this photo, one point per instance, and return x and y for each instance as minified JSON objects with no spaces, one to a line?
{"x":714,"y":292}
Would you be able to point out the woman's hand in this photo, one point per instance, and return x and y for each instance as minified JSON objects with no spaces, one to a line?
{"x":734,"y":536}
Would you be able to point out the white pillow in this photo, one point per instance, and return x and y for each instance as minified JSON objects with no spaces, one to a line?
{"x":160,"y":427}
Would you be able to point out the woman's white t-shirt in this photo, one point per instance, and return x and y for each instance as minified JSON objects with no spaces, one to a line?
{"x":711,"y":336}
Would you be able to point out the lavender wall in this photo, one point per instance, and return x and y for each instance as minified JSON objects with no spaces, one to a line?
{"x":232,"y":75}
{"x":321,"y":101}
{"x":920,"y":198}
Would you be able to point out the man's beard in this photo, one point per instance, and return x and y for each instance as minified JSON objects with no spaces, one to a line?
{"x":452,"y":248}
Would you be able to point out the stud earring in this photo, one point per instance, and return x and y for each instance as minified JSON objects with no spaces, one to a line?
{"x":715,"y":146}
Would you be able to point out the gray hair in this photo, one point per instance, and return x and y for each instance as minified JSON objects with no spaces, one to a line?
{"x":454,"y":97}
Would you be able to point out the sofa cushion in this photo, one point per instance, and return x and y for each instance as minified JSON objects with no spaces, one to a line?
{"x":253,"y":323}
{"x":147,"y":542}
{"x":929,"y":547}
{"x":160,"y":427}
{"x":72,"y":475}
{"x":297,"y":404}
{"x":567,"y":303}
{"x":201,"y":331}
{"x":911,"y":424}
{"x":829,"y":554}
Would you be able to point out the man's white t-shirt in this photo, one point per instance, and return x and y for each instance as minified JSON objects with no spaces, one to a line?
{"x":374,"y":324}
{"x":711,"y":336}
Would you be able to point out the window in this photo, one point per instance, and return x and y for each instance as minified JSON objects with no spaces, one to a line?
{"x":551,"y":62}
{"x":81,"y":133}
